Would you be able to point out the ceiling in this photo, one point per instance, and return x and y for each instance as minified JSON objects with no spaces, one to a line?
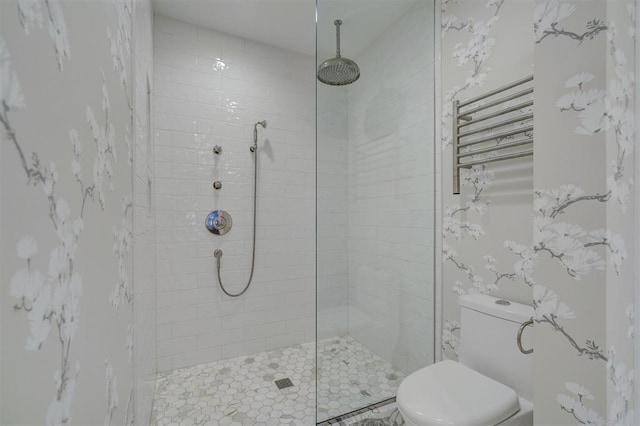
{"x":290,"y":24}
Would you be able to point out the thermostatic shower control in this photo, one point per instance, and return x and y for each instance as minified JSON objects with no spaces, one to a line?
{"x":218,"y":222}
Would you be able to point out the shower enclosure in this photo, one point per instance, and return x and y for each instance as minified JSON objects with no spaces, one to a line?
{"x":375,"y":203}
{"x":312,"y":296}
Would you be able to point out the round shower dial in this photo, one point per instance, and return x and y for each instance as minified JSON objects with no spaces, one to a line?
{"x":218,"y":222}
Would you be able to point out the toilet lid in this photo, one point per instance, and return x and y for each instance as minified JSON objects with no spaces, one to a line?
{"x":449,"y":393}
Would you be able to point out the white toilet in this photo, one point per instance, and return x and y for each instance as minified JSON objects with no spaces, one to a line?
{"x":493,"y":382}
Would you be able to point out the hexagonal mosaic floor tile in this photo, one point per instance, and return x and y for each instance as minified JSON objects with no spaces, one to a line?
{"x":243,"y":390}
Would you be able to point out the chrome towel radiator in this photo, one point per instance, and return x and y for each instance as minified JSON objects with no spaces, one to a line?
{"x":495,"y":126}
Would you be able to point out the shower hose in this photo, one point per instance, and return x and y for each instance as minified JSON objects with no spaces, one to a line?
{"x":218,"y":253}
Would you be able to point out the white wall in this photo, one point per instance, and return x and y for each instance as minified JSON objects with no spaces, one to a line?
{"x":144,"y":246}
{"x":391,"y":193}
{"x":332,"y":259}
{"x":210,"y":88}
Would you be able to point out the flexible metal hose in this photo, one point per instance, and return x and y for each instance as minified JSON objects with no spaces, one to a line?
{"x":218,"y":253}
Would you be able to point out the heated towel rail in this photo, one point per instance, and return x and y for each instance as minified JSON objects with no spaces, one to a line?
{"x":495,"y":126}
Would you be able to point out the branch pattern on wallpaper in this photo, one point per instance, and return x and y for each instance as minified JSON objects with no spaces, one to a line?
{"x":477,"y":51}
{"x":52,"y":300}
{"x":597,"y":110}
{"x":577,"y":250}
{"x":475,"y":55}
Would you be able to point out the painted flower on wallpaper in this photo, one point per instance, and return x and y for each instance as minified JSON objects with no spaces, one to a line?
{"x":120,"y":47}
{"x":620,"y":411}
{"x":58,"y":31}
{"x":51,"y":300}
{"x":111,"y":392}
{"x":630,"y":313}
{"x":29,"y":13}
{"x":549,"y":15}
{"x":575,"y":405}
{"x":473,"y":55}
{"x":120,"y":43}
{"x":122,"y":246}
{"x":523,"y":268}
{"x":547,"y":305}
{"x":479,"y":179}
{"x":450,"y":336}
{"x":10,"y":89}
{"x":578,"y":250}
{"x":104,"y":138}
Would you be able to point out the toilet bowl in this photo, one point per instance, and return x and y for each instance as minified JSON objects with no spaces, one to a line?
{"x":449,"y":393}
{"x":488,"y":386}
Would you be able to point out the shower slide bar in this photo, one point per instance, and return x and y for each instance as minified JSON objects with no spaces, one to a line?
{"x":507,"y":123}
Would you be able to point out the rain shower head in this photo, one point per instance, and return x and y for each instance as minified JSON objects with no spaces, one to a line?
{"x":338,"y":71}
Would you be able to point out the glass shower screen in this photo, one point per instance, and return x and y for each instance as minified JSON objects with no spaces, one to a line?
{"x":375,"y":203}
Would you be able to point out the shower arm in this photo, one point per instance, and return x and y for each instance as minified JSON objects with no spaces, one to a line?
{"x":337,"y":23}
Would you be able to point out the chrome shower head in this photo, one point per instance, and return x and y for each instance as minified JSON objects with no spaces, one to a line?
{"x":262,"y":123}
{"x":338,"y":71}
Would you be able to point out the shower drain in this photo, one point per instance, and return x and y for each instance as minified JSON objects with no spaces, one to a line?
{"x":284,"y":383}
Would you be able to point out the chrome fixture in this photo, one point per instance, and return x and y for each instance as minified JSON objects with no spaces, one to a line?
{"x":217,"y":184}
{"x":218,"y":222}
{"x":338,"y":71}
{"x":218,"y":253}
{"x":262,"y":123}
{"x":516,"y":131}
{"x":217,"y":149}
{"x":519,"y":337}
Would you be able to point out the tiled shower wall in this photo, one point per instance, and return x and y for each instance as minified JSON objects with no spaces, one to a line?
{"x":332,"y":153}
{"x":391,"y":193}
{"x":210,"y":88}
{"x":144,"y":246}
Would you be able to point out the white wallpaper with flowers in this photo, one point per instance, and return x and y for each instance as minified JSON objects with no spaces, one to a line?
{"x":582,"y":248}
{"x":577,"y":265}
{"x":66,"y":212}
{"x":485,"y":45}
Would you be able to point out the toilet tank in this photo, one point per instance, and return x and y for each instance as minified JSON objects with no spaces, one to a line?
{"x":488,"y":330}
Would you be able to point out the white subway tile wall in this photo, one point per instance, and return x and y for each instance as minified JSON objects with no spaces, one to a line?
{"x":144,"y":245}
{"x":391,"y":193}
{"x":210,"y":88}
{"x":333,"y":297}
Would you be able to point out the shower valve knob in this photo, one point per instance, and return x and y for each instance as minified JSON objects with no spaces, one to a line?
{"x":218,"y":222}
{"x":217,"y":149}
{"x":217,"y":184}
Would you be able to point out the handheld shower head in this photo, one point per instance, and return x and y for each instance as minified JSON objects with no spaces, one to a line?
{"x":262,"y":123}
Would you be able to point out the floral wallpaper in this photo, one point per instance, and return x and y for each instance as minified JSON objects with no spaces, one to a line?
{"x":579,"y":263}
{"x":489,"y":46}
{"x":66,"y":219}
{"x":576,"y":265}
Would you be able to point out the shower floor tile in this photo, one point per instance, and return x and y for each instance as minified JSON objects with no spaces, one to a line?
{"x":350,"y":377}
{"x":242,"y":390}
